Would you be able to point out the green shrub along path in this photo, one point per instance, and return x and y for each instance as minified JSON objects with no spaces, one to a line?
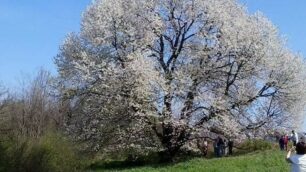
{"x":270,"y":161}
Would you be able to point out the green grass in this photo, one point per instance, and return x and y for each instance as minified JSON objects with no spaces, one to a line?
{"x":270,"y":161}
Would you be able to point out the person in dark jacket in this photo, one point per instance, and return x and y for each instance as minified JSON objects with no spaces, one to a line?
{"x":215,"y":144}
{"x":230,"y":145}
{"x":220,"y":146}
{"x":281,"y":143}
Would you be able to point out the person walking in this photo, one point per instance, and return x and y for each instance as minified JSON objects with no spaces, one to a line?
{"x":230,"y":145}
{"x":298,"y":160}
{"x":220,"y":147}
{"x":205,"y":147}
{"x":225,"y":148}
{"x":286,"y":139}
{"x":215,"y":144}
{"x":294,"y":138}
{"x":281,"y":143}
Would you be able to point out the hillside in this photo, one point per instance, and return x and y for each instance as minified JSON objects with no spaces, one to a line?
{"x":272,"y":161}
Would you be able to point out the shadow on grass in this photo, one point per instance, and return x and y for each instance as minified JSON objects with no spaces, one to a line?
{"x":123,"y":165}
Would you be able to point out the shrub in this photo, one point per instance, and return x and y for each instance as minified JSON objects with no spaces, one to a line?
{"x":50,"y":153}
{"x":62,"y":155}
{"x":255,"y":145}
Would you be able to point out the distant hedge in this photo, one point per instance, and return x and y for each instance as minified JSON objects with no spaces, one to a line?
{"x":255,"y":145}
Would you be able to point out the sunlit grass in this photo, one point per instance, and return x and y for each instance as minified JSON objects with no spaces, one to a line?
{"x":272,"y":161}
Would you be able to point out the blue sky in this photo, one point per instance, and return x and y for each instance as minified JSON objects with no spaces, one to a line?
{"x":288,"y":15}
{"x":32,"y":30}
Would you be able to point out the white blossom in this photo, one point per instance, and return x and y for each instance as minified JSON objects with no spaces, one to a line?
{"x":162,"y":71}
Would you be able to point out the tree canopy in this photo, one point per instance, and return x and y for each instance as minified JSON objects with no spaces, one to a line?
{"x":158,"y":73}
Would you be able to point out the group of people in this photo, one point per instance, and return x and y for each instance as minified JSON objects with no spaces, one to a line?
{"x":284,"y":140}
{"x":223,"y":147}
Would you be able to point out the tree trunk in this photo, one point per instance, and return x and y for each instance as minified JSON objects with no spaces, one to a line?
{"x":172,"y":139}
{"x":168,"y":155}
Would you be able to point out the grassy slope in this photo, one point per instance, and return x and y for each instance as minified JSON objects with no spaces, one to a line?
{"x":272,"y":161}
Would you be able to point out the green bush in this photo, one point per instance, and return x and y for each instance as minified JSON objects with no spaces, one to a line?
{"x":3,"y":156}
{"x":62,"y":154}
{"x":50,"y":153}
{"x":255,"y":145}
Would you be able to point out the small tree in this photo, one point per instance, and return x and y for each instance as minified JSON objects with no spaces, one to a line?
{"x":32,"y":110}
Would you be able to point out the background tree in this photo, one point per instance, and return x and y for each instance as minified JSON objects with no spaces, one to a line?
{"x":33,"y":110}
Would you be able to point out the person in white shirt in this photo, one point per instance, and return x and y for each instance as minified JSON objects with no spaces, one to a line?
{"x":294,"y":138}
{"x":298,"y":160}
